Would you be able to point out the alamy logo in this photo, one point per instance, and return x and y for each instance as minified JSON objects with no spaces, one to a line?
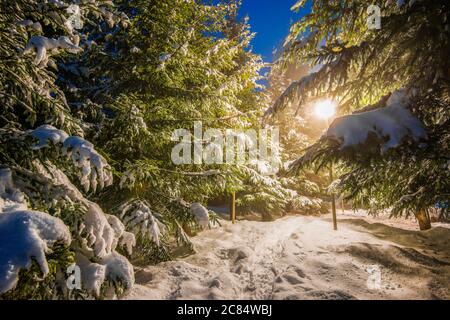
{"x":214,"y":146}
{"x":374,"y":279}
{"x":74,"y":277}
{"x":374,"y":18}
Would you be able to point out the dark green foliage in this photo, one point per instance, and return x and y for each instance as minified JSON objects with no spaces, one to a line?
{"x":360,"y":68}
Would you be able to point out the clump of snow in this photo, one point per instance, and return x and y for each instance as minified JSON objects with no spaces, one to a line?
{"x":390,"y":124}
{"x":25,"y":235}
{"x":127,"y":179}
{"x":135,"y":49}
{"x":104,"y":233}
{"x":123,"y":237}
{"x":163,"y":58}
{"x":11,"y":199}
{"x":57,"y":3}
{"x":43,"y":44}
{"x":138,"y":121}
{"x":28,"y":23}
{"x":92,"y":274}
{"x":119,"y":269}
{"x":138,"y":217}
{"x":94,"y":167}
{"x":75,"y":19}
{"x":95,"y":171}
{"x":114,"y":267}
{"x":200,"y":213}
{"x":99,"y":233}
{"x":46,"y":133}
{"x":14,"y":203}
{"x":128,"y":240}
{"x":108,"y":16}
{"x":6,"y":183}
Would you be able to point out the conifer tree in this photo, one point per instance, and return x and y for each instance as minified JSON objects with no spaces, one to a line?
{"x":49,"y":173}
{"x":176,"y":62}
{"x":395,"y":82}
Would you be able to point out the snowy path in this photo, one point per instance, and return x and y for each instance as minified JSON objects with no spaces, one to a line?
{"x":303,"y":258}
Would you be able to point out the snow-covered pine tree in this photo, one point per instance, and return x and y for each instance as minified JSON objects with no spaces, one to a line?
{"x":46,"y":222}
{"x":395,"y":80}
{"x":257,"y":193}
{"x":176,"y":62}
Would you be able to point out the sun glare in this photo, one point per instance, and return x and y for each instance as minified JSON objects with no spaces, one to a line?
{"x":325,"y":109}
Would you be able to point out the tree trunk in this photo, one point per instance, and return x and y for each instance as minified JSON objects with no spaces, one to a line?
{"x":188,"y":230}
{"x":424,"y":219}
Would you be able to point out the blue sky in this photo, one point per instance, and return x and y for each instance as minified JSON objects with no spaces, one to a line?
{"x":271,"y":20}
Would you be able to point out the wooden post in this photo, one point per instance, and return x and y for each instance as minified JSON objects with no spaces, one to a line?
{"x":233,"y":208}
{"x":333,"y":200}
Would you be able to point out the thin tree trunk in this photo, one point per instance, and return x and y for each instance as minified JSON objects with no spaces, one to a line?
{"x":188,"y":230}
{"x":424,"y":219}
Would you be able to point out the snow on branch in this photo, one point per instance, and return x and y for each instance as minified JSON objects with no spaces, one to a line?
{"x":46,"y":133}
{"x":94,"y":167}
{"x":200,"y":213}
{"x":113,"y":267}
{"x":43,"y":44}
{"x":28,"y":23}
{"x":99,"y":235}
{"x":95,"y":171}
{"x":24,"y":234}
{"x":99,"y":232}
{"x":136,"y":215}
{"x":390,"y":124}
{"x":119,"y":269}
{"x":11,"y":199}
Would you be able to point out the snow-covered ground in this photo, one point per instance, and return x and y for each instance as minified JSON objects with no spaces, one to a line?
{"x":300,"y":257}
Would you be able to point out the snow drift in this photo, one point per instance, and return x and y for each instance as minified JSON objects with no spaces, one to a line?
{"x":300,"y":257}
